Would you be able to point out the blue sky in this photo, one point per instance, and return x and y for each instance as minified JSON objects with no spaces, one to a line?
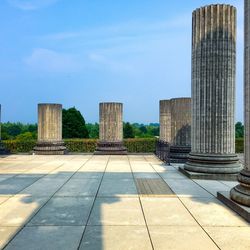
{"x":82,"y":52}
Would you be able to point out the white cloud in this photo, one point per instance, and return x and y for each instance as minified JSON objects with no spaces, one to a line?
{"x":31,"y":4}
{"x":52,"y":61}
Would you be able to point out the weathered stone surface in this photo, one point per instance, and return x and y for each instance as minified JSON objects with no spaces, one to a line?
{"x":175,"y":127}
{"x":111,"y":129}
{"x":241,"y":193}
{"x":50,"y":130}
{"x":213,"y":91}
{"x":165,"y":120}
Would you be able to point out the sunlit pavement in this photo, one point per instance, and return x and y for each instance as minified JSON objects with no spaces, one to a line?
{"x":94,"y":202}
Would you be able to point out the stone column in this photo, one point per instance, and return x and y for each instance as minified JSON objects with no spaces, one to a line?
{"x":241,"y":193}
{"x":50,"y":130}
{"x":110,"y":129}
{"x":180,"y":129}
{"x":213,"y":92}
{"x":165,"y":121}
{"x":175,"y":127}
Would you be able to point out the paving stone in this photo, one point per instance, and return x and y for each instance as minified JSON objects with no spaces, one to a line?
{"x":44,"y":186}
{"x":7,"y":233}
{"x":230,"y":238}
{"x":166,"y":211}
{"x":173,"y":175}
{"x":117,"y":175}
{"x":64,"y":211}
{"x":180,"y":238}
{"x":146,"y":175}
{"x":79,"y":187}
{"x":4,"y":198}
{"x":115,"y":237}
{"x":212,"y":186}
{"x":47,"y":237}
{"x":211,"y":212}
{"x":117,"y":188}
{"x":15,"y":185}
{"x":87,"y":175}
{"x":187,"y":188}
{"x":17,"y":210}
{"x":116,"y":211}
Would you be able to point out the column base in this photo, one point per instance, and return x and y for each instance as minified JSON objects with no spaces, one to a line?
{"x":50,"y":148}
{"x":179,"y":154}
{"x":213,"y":164}
{"x":208,"y":176}
{"x":241,"y":193}
{"x":243,"y":211}
{"x":110,"y":148}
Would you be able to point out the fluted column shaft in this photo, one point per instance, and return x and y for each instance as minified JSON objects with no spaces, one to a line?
{"x":241,"y":193}
{"x":49,"y":130}
{"x":111,"y":124}
{"x":175,"y":127}
{"x":181,"y":121}
{"x":49,"y":122}
{"x":213,"y":90}
{"x":165,"y":121}
{"x":111,"y":129}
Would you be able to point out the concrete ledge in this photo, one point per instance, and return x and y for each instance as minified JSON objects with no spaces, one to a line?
{"x":205,"y":176}
{"x":243,"y":211}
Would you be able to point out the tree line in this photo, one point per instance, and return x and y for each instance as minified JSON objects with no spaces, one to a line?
{"x":74,"y":126}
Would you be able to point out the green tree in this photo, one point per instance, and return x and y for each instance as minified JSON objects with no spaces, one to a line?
{"x":93,"y":130}
{"x":27,"y":136}
{"x":73,"y":124}
{"x":143,"y":129}
{"x":239,"y":130}
{"x":128,"y":131}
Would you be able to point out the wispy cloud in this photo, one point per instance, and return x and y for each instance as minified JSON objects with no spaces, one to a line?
{"x":126,"y":29}
{"x":51,"y":61}
{"x":31,"y":4}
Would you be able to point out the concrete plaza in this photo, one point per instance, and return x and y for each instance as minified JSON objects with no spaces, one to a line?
{"x":112,"y":202}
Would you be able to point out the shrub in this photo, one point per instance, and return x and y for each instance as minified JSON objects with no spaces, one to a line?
{"x":81,"y":145}
{"x":18,"y":146}
{"x":140,"y":145}
{"x":146,"y":145}
{"x":135,"y":145}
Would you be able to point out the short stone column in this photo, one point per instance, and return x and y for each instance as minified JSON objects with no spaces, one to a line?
{"x":111,"y":129}
{"x":180,"y":129}
{"x":175,"y":127}
{"x":165,"y":121}
{"x":2,"y":148}
{"x":50,"y":130}
{"x":213,"y":92}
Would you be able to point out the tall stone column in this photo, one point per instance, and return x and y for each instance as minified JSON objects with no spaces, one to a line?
{"x":110,"y":129}
{"x":50,"y":130}
{"x":241,"y":193}
{"x":165,"y":121}
{"x":180,"y":129}
{"x":213,"y":92}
